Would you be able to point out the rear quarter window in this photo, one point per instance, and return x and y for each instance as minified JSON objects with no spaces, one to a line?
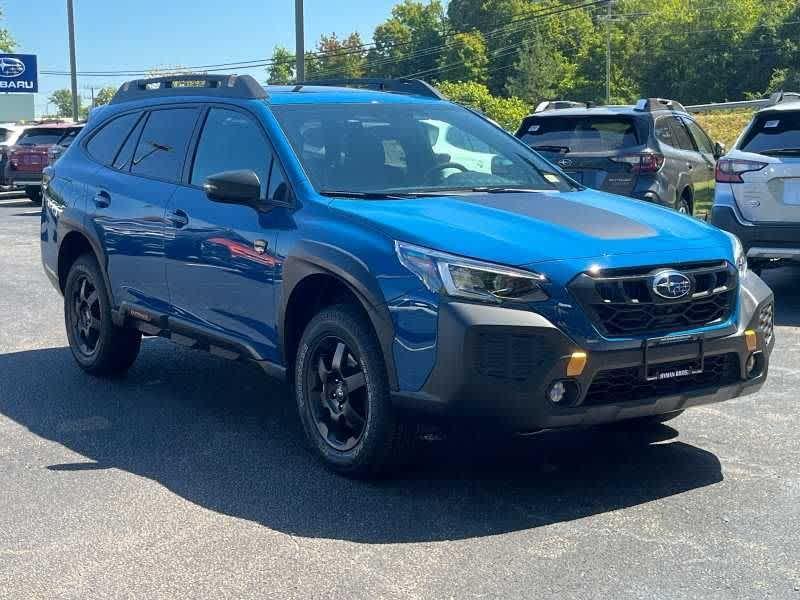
{"x":104,"y":145}
{"x":582,"y":133}
{"x":773,"y":131}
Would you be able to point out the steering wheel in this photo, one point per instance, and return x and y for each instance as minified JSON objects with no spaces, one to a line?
{"x":444,"y":166}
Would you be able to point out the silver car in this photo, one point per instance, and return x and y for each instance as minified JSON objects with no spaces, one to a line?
{"x":757,"y":194}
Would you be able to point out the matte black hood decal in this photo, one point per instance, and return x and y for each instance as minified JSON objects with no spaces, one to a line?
{"x":589,"y":220}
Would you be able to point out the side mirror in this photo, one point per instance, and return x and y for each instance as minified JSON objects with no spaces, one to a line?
{"x":234,"y":187}
{"x":719,"y":149}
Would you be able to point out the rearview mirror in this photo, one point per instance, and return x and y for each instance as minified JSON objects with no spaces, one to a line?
{"x":234,"y":187}
{"x":719,"y":149}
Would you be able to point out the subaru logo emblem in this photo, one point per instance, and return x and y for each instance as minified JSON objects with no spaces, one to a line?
{"x":11,"y":67}
{"x":565,"y":162}
{"x":671,"y":285}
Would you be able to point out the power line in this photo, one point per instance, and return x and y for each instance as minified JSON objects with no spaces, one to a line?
{"x":514,"y":24}
{"x":510,"y":28}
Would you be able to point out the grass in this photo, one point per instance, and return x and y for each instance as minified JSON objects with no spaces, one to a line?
{"x":724,"y":126}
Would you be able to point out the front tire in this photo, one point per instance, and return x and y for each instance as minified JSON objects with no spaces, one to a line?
{"x":98,"y":346}
{"x":342,"y":392}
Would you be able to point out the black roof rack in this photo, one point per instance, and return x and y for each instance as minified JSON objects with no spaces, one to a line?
{"x":415,"y":87}
{"x":226,"y":86}
{"x":652,"y":104}
{"x":561,"y":104}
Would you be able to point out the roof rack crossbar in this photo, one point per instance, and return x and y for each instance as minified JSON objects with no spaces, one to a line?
{"x":652,"y":104}
{"x":227,"y":86}
{"x":415,"y":87}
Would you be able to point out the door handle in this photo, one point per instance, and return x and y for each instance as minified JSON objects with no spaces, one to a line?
{"x":178,"y":218}
{"x":102,"y":199}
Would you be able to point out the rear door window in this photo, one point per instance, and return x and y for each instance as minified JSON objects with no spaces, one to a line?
{"x":774,"y":133}
{"x":671,"y":131}
{"x":581,"y":133}
{"x":162,"y":146}
{"x":104,"y":144}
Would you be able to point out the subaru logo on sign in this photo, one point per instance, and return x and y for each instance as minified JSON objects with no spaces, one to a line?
{"x":565,"y":162}
{"x":18,"y":73}
{"x":671,"y":284}
{"x":11,"y":67}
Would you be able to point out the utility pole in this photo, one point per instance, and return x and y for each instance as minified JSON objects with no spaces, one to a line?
{"x":72,"y":68}
{"x":608,"y":52}
{"x":299,"y":42}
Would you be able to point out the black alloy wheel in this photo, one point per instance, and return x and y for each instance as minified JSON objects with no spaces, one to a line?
{"x":341,"y":408}
{"x":85,"y":316}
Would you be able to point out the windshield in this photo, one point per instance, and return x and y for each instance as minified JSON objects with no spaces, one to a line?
{"x":773,"y":133}
{"x":40,"y":135}
{"x":409,"y":148}
{"x":580,"y":134}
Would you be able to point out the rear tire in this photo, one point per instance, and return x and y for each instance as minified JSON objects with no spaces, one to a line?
{"x":98,"y":346}
{"x":342,"y":393}
{"x":34,"y":194}
{"x":683,"y":206}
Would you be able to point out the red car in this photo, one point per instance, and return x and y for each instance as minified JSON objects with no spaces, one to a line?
{"x":29,"y":156}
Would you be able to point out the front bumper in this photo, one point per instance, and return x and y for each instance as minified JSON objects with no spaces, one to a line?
{"x":497,"y":364}
{"x":760,"y":240}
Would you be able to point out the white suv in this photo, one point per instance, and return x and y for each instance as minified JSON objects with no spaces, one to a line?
{"x":757,"y":195}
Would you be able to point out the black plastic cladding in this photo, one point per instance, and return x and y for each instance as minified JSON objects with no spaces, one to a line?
{"x":222,"y":86}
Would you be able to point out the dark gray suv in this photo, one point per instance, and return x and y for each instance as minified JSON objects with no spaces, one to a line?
{"x":653,"y":150}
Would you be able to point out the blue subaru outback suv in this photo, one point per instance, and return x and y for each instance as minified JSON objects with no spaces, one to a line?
{"x":316,"y":230}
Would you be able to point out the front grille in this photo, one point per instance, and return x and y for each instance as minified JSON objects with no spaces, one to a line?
{"x":624,"y":385}
{"x":623,"y":302}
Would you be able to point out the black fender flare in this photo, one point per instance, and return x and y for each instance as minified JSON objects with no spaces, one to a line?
{"x":310,"y":257}
{"x":67,"y":227}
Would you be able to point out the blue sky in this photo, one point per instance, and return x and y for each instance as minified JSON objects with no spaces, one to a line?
{"x":140,"y":34}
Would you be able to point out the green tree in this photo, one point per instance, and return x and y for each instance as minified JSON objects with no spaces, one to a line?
{"x":62,"y":100}
{"x":409,"y":42}
{"x":465,"y":58}
{"x":508,"y":112}
{"x":281,"y":71}
{"x":538,"y":73}
{"x":340,"y":57}
{"x":7,"y":43}
{"x":104,"y":95}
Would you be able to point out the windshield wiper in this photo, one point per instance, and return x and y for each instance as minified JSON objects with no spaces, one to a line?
{"x":365,"y":195}
{"x":781,"y":151}
{"x":546,"y":148}
{"x":504,"y":190}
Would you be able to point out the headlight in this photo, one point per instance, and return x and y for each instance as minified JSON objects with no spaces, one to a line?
{"x":472,"y":279}
{"x":739,"y":256}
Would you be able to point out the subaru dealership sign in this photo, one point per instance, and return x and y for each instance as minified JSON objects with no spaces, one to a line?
{"x":18,"y":73}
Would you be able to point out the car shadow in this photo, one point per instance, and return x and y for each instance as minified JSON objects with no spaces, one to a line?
{"x":783,"y":282}
{"x":226,"y":438}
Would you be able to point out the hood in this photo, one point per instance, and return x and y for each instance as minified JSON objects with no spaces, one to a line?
{"x":530,"y":227}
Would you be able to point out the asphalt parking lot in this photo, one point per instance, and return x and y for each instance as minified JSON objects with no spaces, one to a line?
{"x":189,"y":478}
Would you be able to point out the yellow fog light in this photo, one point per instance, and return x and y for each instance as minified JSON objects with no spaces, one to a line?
{"x":576,"y":364}
{"x":751,"y":339}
